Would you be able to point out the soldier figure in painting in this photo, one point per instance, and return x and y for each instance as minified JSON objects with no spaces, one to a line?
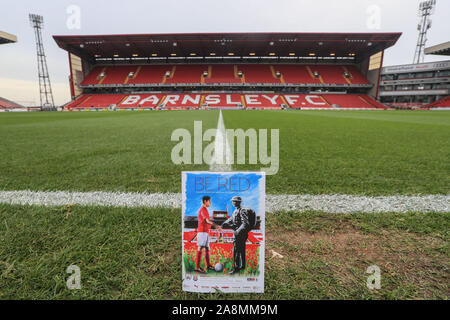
{"x":242,"y":221}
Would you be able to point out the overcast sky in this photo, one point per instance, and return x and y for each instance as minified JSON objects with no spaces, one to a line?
{"x":18,"y":65}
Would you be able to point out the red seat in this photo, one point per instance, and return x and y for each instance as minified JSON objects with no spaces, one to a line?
{"x":93,"y":76}
{"x":295,"y":74}
{"x":231,"y":100}
{"x":266,"y":101}
{"x":443,"y":103}
{"x":118,"y":74}
{"x":100,"y":100}
{"x":222,"y":100}
{"x":222,"y":74}
{"x":77,"y":101}
{"x":310,"y":101}
{"x":150,"y":74}
{"x":374,"y":102}
{"x":187,"y":74}
{"x":348,"y":101}
{"x":356,"y":76}
{"x":258,"y":74}
{"x":330,"y":74}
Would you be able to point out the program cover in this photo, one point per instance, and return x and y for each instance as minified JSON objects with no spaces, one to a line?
{"x":223,"y":217}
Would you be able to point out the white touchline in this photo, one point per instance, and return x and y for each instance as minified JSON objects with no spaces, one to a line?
{"x":274,"y":203}
{"x":222,"y":154}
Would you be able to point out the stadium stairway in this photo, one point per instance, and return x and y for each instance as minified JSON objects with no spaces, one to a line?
{"x":349,"y":79}
{"x":313,"y":76}
{"x":330,"y":74}
{"x":93,"y":77}
{"x":356,"y":77}
{"x":133,"y":76}
{"x":274,"y":74}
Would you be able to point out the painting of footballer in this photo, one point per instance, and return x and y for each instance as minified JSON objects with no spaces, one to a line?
{"x":204,"y":224}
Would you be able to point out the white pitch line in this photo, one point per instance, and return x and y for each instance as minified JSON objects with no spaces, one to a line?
{"x":222,"y":158}
{"x":274,"y":203}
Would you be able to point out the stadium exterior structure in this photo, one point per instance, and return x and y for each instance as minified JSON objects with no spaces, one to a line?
{"x":5,"y":104}
{"x":415,"y":85}
{"x":226,"y":70}
{"x":7,"y":38}
{"x":423,"y":85}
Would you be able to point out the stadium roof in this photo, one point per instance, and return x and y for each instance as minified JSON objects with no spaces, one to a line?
{"x":231,"y":45}
{"x":440,"y":49}
{"x":7,"y":38}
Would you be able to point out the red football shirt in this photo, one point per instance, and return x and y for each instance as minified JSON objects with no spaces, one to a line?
{"x":203,"y":214}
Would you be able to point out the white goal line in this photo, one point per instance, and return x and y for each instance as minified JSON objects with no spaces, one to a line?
{"x":274,"y":203}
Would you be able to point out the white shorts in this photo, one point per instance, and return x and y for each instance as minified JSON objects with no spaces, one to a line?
{"x":203,"y":239}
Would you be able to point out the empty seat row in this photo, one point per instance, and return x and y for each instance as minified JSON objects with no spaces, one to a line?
{"x":223,"y":100}
{"x":226,"y":74}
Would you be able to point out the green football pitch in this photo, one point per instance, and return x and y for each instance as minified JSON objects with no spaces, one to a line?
{"x":321,"y":152}
{"x":126,"y":253}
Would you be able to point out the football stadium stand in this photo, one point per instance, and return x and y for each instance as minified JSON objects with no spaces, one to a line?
{"x":418,"y":86}
{"x":237,"y":70}
{"x":443,"y":103}
{"x":8,"y":105}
